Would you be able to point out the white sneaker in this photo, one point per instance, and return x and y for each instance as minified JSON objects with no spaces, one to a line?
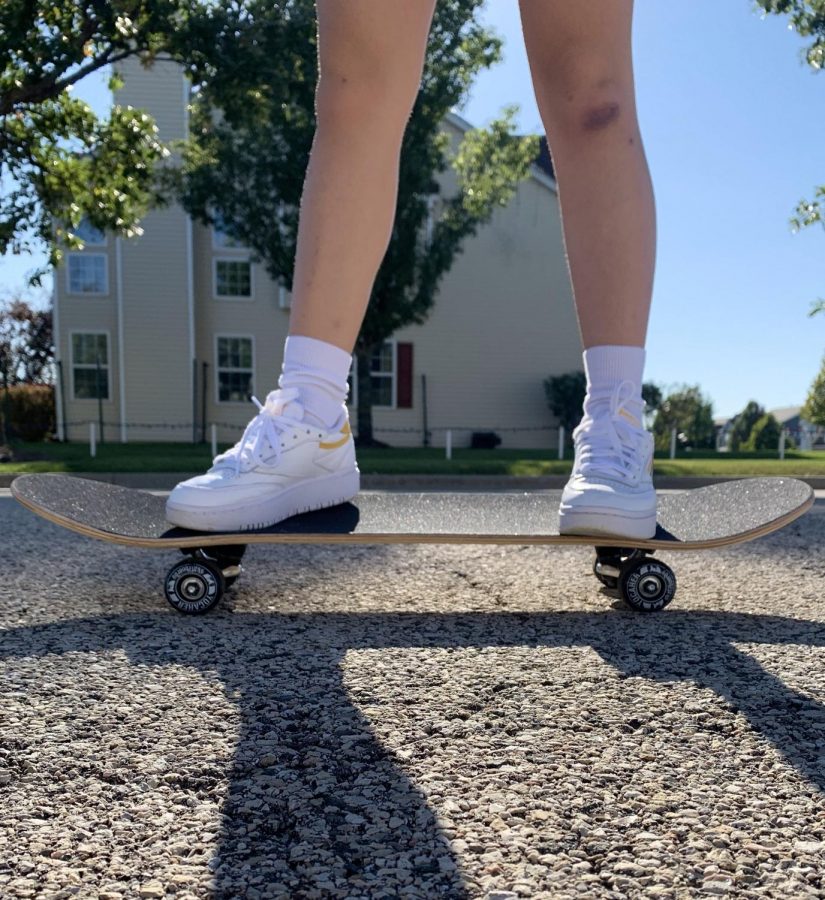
{"x":610,"y":491}
{"x":281,"y":466}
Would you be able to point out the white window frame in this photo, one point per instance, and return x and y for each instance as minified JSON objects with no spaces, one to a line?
{"x":107,"y":367}
{"x":83,"y":255}
{"x":232,"y":297}
{"x":218,"y":369}
{"x":393,"y":376}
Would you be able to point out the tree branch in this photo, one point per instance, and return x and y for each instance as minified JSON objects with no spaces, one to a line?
{"x":45,"y":90}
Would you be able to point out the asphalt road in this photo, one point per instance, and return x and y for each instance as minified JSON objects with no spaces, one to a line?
{"x":410,"y":722}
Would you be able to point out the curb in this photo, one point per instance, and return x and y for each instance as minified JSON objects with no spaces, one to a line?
{"x":165,"y":481}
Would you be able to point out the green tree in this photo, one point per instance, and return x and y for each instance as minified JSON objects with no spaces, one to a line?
{"x":26,"y":354}
{"x":653,"y":397}
{"x":764,"y":434}
{"x":808,"y":20}
{"x":59,"y":161}
{"x":26,"y":348}
{"x":691,"y":414}
{"x":254,"y":130}
{"x":565,"y":396}
{"x":743,"y":425}
{"x":814,"y":408}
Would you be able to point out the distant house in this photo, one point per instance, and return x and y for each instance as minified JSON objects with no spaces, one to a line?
{"x":724,"y":427}
{"x":170,"y":332}
{"x":804,"y":434}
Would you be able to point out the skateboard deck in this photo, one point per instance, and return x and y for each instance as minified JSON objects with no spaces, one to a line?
{"x":703,"y":518}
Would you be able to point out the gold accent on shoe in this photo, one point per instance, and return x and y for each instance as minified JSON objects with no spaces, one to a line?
{"x":630,"y":418}
{"x":334,"y":445}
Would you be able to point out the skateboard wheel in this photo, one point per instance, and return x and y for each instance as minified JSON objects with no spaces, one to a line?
{"x":194,"y":586}
{"x":647,"y":585}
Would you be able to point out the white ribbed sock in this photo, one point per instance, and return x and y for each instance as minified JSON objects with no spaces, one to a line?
{"x":608,"y":366}
{"x":319,"y":371}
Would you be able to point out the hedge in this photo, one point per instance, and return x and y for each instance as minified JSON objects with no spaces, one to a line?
{"x":30,"y":409}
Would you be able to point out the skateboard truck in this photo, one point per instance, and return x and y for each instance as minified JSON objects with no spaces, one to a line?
{"x":197,"y":583}
{"x":644,"y":583}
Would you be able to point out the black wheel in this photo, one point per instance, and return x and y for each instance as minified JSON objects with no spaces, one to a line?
{"x":607,"y":580}
{"x":647,"y":585}
{"x":194,"y":586}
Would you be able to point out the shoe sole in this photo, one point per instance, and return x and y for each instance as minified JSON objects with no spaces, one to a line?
{"x":607,"y":523}
{"x":308,"y":496}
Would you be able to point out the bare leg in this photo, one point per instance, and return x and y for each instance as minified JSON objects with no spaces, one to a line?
{"x":371,"y":54}
{"x":581,"y":64}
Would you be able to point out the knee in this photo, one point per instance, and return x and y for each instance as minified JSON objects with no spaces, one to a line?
{"x":587,"y":103}
{"x":598,"y":113}
{"x":354,"y":99}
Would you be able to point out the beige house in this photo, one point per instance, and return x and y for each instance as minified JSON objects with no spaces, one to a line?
{"x":166,"y":334}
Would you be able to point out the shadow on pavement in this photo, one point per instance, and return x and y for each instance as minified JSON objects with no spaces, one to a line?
{"x":304,"y":747}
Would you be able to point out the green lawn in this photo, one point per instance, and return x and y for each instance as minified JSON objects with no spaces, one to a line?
{"x":137,"y":457}
{"x":163,"y":457}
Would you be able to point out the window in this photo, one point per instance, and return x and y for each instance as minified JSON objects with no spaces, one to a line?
{"x":391,"y":373}
{"x":382,"y":369}
{"x":90,"y":380}
{"x":89,"y":234}
{"x":86,"y":273}
{"x":235,"y":367}
{"x":233,"y":278}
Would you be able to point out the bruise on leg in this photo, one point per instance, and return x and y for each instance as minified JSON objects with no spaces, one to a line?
{"x":598,"y":117}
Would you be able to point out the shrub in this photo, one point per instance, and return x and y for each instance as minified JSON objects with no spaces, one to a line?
{"x":565,"y":396}
{"x":31,"y":412}
{"x":484,"y":440}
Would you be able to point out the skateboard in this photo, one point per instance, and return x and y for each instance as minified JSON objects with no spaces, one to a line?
{"x":700,"y":519}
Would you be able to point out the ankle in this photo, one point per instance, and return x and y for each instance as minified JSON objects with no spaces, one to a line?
{"x":319,"y":371}
{"x":608,"y":367}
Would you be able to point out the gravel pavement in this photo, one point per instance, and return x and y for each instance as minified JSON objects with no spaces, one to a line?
{"x":367,"y":722}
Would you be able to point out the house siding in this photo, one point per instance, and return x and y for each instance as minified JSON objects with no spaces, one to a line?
{"x":503,"y":321}
{"x":157,"y":359}
{"x":260,"y":315}
{"x":88,"y":313}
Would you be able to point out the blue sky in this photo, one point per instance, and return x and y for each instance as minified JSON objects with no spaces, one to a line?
{"x":734,"y":128}
{"x":734,"y":132}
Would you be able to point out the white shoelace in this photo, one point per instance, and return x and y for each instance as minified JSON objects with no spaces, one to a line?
{"x":264,"y":432}
{"x":609,"y":444}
